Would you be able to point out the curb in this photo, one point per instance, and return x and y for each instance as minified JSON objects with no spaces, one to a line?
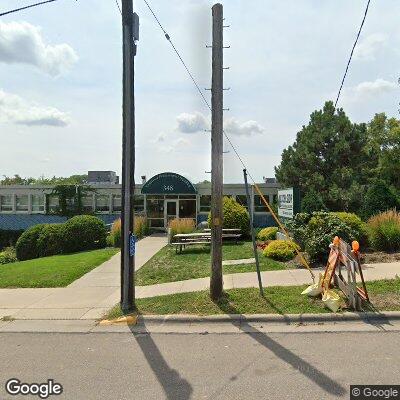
{"x":277,"y":318}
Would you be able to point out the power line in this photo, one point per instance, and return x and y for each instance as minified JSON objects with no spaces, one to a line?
{"x":119,"y":8}
{"x":24,"y":8}
{"x":351,"y":54}
{"x":198,"y":88}
{"x":168,"y":37}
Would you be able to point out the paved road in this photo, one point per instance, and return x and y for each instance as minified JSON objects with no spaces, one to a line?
{"x":214,"y":366}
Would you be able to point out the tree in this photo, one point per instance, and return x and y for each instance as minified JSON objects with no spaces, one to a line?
{"x":384,"y":140}
{"x":329,"y":158}
{"x":379,"y":197}
{"x":311,"y":202}
{"x":71,"y":180}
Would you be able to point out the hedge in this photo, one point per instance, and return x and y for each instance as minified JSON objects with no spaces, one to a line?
{"x":26,"y":246}
{"x":80,"y":233}
{"x":84,"y":232}
{"x":51,"y":240}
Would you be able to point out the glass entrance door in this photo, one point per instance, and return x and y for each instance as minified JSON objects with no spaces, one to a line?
{"x":170,"y":211}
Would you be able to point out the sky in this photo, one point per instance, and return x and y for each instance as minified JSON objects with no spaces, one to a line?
{"x":61,"y":83}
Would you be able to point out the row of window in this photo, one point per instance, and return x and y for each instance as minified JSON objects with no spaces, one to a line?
{"x":20,"y":203}
{"x":106,"y":203}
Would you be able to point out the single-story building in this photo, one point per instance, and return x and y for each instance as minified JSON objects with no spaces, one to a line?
{"x":163,"y":197}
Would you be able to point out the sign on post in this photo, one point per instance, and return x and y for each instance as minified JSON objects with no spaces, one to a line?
{"x":288,"y":202}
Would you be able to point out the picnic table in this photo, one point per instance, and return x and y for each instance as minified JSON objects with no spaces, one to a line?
{"x":181,"y":240}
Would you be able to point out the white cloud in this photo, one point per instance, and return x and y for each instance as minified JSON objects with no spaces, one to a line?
{"x":22,"y":43}
{"x":176,"y":145}
{"x":368,"y":47}
{"x":192,"y":123}
{"x":248,"y":128}
{"x":14,"y":109}
{"x":377,"y":86}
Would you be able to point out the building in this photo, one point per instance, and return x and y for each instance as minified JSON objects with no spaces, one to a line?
{"x":163,"y":197}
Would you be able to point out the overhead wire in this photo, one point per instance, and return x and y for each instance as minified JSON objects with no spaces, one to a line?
{"x":351,"y":54}
{"x":119,"y":8}
{"x":300,"y":255}
{"x":26,"y":7}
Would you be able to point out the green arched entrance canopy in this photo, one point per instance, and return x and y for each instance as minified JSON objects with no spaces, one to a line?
{"x":168,"y":183}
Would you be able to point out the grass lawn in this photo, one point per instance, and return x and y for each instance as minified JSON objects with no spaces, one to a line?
{"x":55,"y":271}
{"x":384,"y":294}
{"x":194,"y":262}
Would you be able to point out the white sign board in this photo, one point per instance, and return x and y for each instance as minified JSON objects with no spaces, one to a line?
{"x":286,"y":203}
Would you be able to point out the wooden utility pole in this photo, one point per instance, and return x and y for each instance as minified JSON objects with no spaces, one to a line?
{"x":130,"y":29}
{"x":216,"y":284}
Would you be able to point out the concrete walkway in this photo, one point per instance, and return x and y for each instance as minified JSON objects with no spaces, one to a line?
{"x":290,"y":277}
{"x":89,"y":297}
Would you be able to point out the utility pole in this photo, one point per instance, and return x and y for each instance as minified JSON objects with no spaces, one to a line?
{"x":216,"y":284}
{"x":130,"y":33}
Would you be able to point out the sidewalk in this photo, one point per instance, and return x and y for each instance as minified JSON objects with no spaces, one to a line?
{"x":290,"y":277}
{"x":87,"y":298}
{"x":91,"y":296}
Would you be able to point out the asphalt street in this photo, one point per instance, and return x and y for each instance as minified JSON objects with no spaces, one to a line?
{"x":201,"y":366}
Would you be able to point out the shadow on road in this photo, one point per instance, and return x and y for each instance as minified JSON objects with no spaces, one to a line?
{"x":323,"y":381}
{"x":174,"y":386}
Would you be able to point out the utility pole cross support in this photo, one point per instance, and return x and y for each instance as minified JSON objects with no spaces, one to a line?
{"x":216,"y":284}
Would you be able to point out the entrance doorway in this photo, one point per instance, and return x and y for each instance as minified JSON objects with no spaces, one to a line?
{"x":170,"y":211}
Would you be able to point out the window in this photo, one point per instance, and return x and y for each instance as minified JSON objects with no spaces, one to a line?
{"x":87,"y":203}
{"x":6,"y":202}
{"x":54,"y":204}
{"x":117,"y":202}
{"x":155,"y":208}
{"x":138,"y":203}
{"x":102,"y":203}
{"x":37,"y":203}
{"x":242,"y":199}
{"x":259,"y":205}
{"x":187,"y":209}
{"x":21,"y":202}
{"x":205,"y":203}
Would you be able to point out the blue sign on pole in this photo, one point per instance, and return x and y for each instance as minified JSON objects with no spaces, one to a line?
{"x":132,"y":245}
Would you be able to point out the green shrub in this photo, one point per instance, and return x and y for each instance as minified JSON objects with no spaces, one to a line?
{"x":84,"y":232}
{"x":297,"y":228}
{"x":235,"y":216}
{"x":51,"y":240}
{"x":320,"y":231}
{"x":268,"y":233}
{"x":384,"y":231}
{"x":379,"y":198}
{"x":358,"y":226}
{"x":281,"y":250}
{"x":8,"y":256}
{"x":26,"y":246}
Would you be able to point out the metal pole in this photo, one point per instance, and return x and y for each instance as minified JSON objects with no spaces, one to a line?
{"x":253,"y":236}
{"x":130,"y":22}
{"x":216,"y":284}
